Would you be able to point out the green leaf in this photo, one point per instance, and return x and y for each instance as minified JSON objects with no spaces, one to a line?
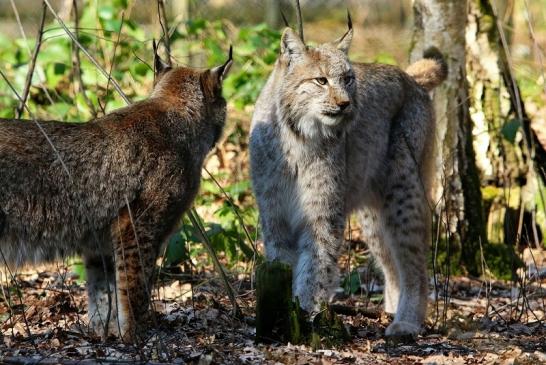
{"x":176,"y":251}
{"x":510,"y":129}
{"x":78,"y":268}
{"x":106,"y":12}
{"x":59,"y":68}
{"x":351,"y":283}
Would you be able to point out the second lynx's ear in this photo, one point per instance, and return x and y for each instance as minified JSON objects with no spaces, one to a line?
{"x":344,"y":42}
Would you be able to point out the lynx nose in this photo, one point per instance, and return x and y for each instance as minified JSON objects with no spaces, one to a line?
{"x":343,"y":104}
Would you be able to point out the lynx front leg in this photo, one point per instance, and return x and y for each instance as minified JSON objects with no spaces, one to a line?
{"x":276,"y":231}
{"x":321,"y":236}
{"x":102,"y":308}
{"x":373,"y":231}
{"x":316,"y":274}
{"x":136,"y":243}
{"x":406,"y":217}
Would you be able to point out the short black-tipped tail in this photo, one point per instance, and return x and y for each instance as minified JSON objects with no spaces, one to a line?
{"x":430,"y":71}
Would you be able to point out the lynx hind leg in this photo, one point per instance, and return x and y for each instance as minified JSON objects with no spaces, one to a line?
{"x":406,"y":232}
{"x":373,"y":232}
{"x":102,"y":308}
{"x":136,"y":246}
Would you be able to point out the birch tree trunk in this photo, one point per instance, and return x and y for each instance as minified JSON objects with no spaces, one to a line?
{"x":456,"y":195}
{"x":509,"y":149}
{"x":483,"y":134}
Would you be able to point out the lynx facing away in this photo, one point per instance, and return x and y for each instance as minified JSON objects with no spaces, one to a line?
{"x":330,"y":137}
{"x":114,"y":190}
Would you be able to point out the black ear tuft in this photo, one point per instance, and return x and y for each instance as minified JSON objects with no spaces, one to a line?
{"x":220,"y":72}
{"x":159,"y":65}
{"x":284,"y":19}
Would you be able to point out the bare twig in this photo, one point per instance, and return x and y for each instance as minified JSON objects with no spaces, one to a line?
{"x":236,"y":211}
{"x":37,"y":124}
{"x":192,"y":214}
{"x":20,"y":297}
{"x":32,"y":65}
{"x":79,"y":86}
{"x":23,"y":34}
{"x":112,"y":63}
{"x":164,"y":29}
{"x":538,"y":49}
{"x":87,"y":54}
{"x":22,"y":360}
{"x":19,"y":23}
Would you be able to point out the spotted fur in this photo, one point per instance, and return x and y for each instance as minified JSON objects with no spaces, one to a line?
{"x":319,"y":151}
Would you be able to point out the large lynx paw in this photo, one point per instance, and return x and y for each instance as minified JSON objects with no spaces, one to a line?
{"x":401,"y":331}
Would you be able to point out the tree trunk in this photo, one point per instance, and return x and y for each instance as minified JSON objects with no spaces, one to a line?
{"x":456,"y":194}
{"x":510,"y":150}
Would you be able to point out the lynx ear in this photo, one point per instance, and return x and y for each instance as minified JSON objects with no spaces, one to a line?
{"x":344,"y":43}
{"x":159,"y":64}
{"x":220,"y":72}
{"x":291,"y":45}
{"x":211,"y":80}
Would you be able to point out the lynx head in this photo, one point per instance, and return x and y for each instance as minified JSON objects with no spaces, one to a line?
{"x":193,"y":92}
{"x":317,"y":85}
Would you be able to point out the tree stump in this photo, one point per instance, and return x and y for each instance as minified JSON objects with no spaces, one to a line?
{"x":279,"y":318}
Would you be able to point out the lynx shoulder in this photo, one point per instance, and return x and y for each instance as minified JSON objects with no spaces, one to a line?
{"x":112,"y":189}
{"x":330,"y":137}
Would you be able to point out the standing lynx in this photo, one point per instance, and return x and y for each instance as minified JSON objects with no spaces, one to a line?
{"x":112,"y":191}
{"x":330,"y":137}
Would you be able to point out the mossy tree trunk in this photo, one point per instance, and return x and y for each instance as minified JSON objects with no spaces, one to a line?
{"x":456,"y":196}
{"x":483,"y":134}
{"x":511,"y":158}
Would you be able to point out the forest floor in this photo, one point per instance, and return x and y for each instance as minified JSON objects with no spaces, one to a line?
{"x":480,"y":322}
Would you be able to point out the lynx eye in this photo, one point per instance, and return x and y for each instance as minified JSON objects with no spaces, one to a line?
{"x":321,"y":80}
{"x":349,"y":79}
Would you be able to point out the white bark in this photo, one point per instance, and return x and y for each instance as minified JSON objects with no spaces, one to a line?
{"x":441,"y":23}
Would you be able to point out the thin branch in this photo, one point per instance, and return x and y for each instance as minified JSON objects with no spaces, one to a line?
{"x":20,"y":297}
{"x":19,"y":23}
{"x":347,"y":310}
{"x":236,"y":211}
{"x":26,"y":360}
{"x":32,"y":66}
{"x":37,"y":124}
{"x":79,"y":86}
{"x":87,"y":54}
{"x":23,"y":34}
{"x":164,"y":29}
{"x":538,"y":49}
{"x":116,"y":44}
{"x":192,"y":214}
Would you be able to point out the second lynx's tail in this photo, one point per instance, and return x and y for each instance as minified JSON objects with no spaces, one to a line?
{"x":431,"y":71}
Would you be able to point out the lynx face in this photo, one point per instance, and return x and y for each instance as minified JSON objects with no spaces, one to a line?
{"x":317,"y":97}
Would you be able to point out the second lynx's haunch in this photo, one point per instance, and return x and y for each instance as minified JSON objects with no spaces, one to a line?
{"x":330,"y":137}
{"x":114,"y":191}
